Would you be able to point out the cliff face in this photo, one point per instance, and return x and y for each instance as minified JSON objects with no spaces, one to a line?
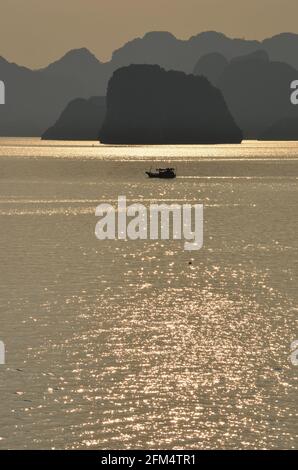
{"x":81,"y":120}
{"x":147,"y":105}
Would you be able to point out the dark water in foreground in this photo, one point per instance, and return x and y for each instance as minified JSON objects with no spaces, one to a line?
{"x":116,"y":345}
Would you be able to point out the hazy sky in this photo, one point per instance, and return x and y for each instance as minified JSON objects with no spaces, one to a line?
{"x":36,"y":32}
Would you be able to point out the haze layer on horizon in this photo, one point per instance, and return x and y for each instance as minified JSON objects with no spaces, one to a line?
{"x":34,"y":33}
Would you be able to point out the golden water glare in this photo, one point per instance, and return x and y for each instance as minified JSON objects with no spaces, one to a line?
{"x":121,"y":344}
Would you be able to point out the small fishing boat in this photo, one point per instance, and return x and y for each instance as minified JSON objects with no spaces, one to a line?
{"x":162,"y":173}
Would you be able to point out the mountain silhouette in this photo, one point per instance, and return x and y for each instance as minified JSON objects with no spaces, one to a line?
{"x":257,"y":92}
{"x":160,"y":48}
{"x":282,"y":48}
{"x":35,"y":98}
{"x":148,"y":105}
{"x":166,"y":50}
{"x":284,"y":129}
{"x":81,"y":120}
{"x":211,"y":66}
{"x":72,"y":60}
{"x":79,"y":65}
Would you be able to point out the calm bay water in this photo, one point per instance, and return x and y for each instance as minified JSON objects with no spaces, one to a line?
{"x":117,"y":345}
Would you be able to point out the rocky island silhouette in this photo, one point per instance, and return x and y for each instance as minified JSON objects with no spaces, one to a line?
{"x":255,"y":88}
{"x":81,"y":120}
{"x":148,"y":105}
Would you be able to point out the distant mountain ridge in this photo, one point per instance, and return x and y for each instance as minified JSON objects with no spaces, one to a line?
{"x":35,"y":98}
{"x":256,"y":89}
{"x":164,"y":49}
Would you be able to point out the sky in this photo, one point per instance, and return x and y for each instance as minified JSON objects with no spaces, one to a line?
{"x":36,"y":32}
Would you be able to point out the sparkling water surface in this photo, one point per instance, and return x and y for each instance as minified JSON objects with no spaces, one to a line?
{"x":124,"y":344}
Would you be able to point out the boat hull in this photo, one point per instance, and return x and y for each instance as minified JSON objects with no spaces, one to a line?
{"x":158,"y":175}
